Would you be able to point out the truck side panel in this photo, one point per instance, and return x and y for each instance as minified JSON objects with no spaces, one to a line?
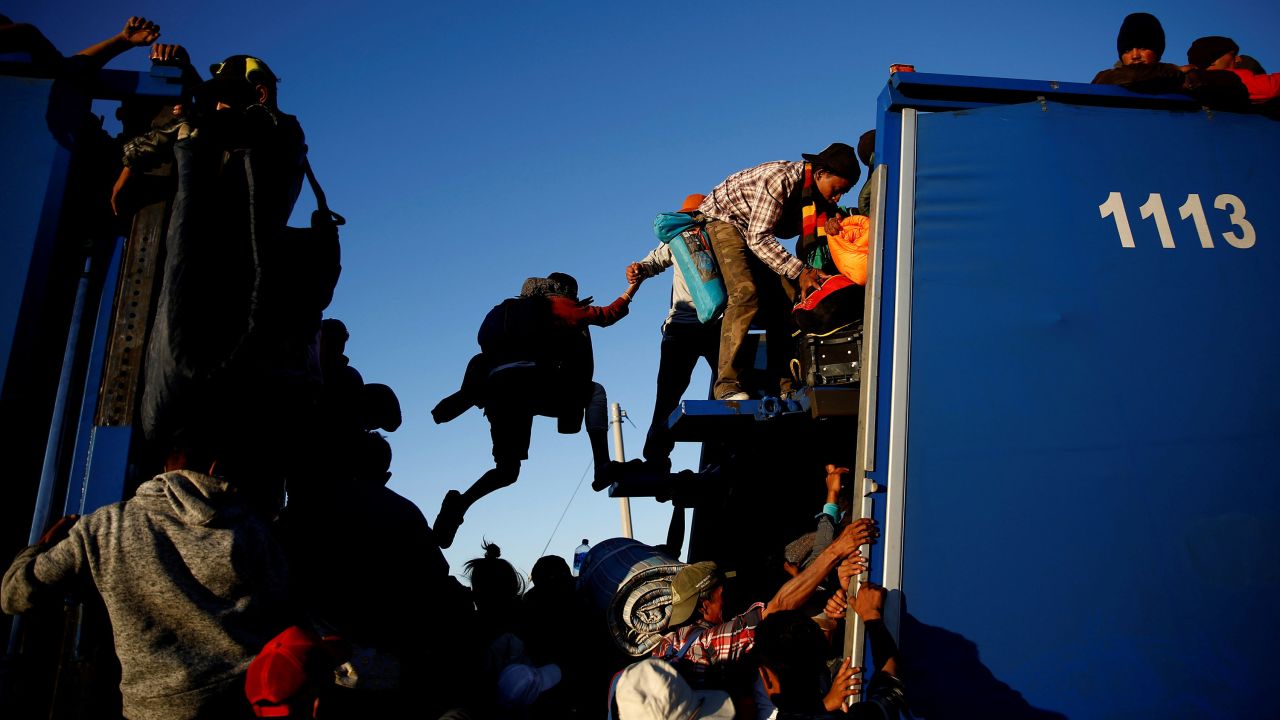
{"x":1092,"y":502}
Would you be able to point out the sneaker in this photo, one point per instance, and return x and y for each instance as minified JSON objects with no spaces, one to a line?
{"x":737,"y":396}
{"x":450,"y":517}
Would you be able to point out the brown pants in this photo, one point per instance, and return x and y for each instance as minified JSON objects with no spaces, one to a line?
{"x":756,"y":293}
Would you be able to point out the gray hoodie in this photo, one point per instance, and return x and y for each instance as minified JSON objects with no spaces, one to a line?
{"x":193,"y":582}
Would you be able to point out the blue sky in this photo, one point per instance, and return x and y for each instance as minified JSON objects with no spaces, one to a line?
{"x":472,"y":146}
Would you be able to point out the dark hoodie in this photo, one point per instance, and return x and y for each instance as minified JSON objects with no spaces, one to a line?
{"x":193,"y":582}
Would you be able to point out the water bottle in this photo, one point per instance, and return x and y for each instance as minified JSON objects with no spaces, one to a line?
{"x":580,"y":554}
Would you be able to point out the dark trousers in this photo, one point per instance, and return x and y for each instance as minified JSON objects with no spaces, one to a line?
{"x":682,"y":345}
{"x":756,"y":294}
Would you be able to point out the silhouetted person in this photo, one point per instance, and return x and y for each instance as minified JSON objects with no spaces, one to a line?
{"x":496,"y":587}
{"x":867,"y":156}
{"x":27,"y":38}
{"x":216,"y":353}
{"x":536,"y":359}
{"x":550,"y":609}
{"x":367,"y":567}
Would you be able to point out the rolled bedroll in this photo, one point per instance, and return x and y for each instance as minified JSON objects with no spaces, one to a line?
{"x":629,"y":583}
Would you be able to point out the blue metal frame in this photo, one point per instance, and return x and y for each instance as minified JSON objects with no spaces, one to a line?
{"x":933,"y":92}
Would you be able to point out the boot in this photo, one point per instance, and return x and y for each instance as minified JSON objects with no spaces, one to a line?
{"x":599,"y":438}
{"x":451,"y":514}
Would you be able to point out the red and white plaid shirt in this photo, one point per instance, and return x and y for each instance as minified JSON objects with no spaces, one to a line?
{"x":717,"y":644}
{"x":751,"y":200}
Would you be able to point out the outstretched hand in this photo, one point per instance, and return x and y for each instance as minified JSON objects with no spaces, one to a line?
{"x":117,"y":190}
{"x":846,"y":684}
{"x":636,"y":273}
{"x":850,"y":568}
{"x":859,"y":532}
{"x":58,"y":530}
{"x":139,"y":31}
{"x":869,"y":602}
{"x":169,"y":54}
{"x":836,"y":605}
{"x":811,"y":280}
{"x":833,"y":226}
{"x":835,"y":476}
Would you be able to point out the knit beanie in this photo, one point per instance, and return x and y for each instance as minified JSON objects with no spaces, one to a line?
{"x":867,"y":147}
{"x":1205,"y":50}
{"x":1141,"y":30}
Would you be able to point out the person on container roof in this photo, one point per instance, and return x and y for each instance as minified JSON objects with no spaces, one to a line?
{"x":1140,"y":45}
{"x":1218,"y":53}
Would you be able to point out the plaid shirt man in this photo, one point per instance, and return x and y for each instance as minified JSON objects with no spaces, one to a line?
{"x":752,"y":201}
{"x":727,"y":642}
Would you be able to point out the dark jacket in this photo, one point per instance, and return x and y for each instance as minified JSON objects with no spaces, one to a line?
{"x":238,"y":178}
{"x":1219,"y":89}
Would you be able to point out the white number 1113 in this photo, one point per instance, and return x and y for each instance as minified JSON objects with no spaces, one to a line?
{"x":1192,"y":209}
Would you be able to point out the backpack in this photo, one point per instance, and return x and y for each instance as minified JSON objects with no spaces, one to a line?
{"x":517,"y":329}
{"x":691,"y":250}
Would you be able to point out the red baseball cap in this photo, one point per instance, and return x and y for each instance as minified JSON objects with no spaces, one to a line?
{"x":691,"y":202}
{"x":288,"y":663}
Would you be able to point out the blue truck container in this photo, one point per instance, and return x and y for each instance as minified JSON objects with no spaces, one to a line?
{"x":1069,"y":426}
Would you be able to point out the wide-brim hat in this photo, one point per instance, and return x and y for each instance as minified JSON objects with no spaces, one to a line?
{"x":652,"y":688}
{"x":837,"y":159}
{"x":687,"y":586}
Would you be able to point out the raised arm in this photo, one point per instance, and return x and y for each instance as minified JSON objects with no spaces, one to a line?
{"x":579,"y":313}
{"x":798,"y":589}
{"x":23,"y":587}
{"x":137,"y":32}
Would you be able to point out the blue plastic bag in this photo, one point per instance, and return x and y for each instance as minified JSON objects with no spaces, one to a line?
{"x":691,"y":249}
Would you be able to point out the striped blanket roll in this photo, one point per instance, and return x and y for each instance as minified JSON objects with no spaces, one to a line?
{"x":629,"y":583}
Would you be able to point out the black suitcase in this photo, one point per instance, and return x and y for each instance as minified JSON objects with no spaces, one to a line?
{"x":832,"y":358}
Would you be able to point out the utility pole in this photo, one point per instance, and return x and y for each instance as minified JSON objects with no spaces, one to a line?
{"x":615,"y":422}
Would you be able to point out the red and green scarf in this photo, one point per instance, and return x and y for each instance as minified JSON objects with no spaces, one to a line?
{"x":813,"y":247}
